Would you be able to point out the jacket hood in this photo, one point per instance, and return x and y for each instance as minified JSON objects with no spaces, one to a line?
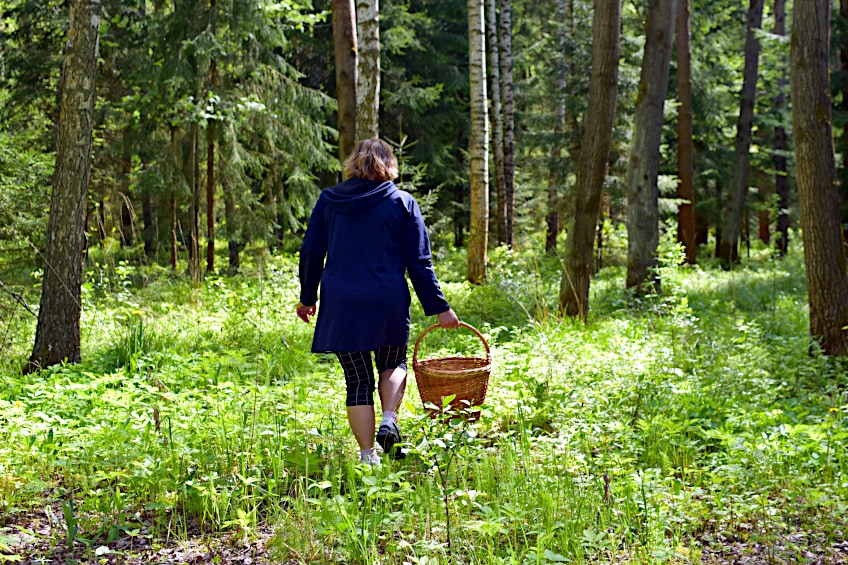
{"x":355,"y":196}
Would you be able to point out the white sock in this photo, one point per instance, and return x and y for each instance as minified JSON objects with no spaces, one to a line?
{"x":389,"y":417}
{"x":367,"y":455}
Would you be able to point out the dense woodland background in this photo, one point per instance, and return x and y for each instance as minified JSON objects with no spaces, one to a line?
{"x":255,"y":84}
{"x":688,"y":407}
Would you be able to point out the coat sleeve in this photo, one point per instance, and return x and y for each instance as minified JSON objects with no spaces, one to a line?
{"x":419,"y":263}
{"x":312,"y":254}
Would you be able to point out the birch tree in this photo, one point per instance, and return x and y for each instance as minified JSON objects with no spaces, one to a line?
{"x":57,"y":334}
{"x":368,"y":72}
{"x":478,"y":149}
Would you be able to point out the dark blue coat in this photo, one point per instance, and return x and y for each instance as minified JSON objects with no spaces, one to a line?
{"x":371,"y":233}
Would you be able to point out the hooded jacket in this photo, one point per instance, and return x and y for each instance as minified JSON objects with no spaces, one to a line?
{"x":363,"y":237}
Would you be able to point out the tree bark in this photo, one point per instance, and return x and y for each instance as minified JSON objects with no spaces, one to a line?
{"x":233,"y":243}
{"x":729,"y":250}
{"x":57,"y":335}
{"x":824,"y":252}
{"x":210,"y":195}
{"x":764,"y":191}
{"x":686,"y":226}
{"x":594,"y":157}
{"x":508,"y":120}
{"x":345,"y":49}
{"x":210,"y":161}
{"x":843,"y":172}
{"x":194,"y":244}
{"x":149,"y":233}
{"x":642,"y":193}
{"x":172,"y":212}
{"x":368,"y":71}
{"x":497,"y":121}
{"x":781,"y":179}
{"x":555,"y":174}
{"x":478,"y":145}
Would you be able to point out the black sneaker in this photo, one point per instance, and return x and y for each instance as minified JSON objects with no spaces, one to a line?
{"x":387,"y":437}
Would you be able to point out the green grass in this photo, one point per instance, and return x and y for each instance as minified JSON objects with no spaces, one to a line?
{"x":661,"y":424}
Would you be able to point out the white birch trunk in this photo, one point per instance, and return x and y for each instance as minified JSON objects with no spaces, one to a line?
{"x":478,"y":149}
{"x":368,"y":78}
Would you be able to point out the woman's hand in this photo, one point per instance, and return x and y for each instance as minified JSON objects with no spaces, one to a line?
{"x":448,"y":320}
{"x":303,"y":312}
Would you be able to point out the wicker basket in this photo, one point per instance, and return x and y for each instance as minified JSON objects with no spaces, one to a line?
{"x":465,"y":377}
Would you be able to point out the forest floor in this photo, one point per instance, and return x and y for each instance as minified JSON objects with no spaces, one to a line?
{"x":697,"y":427}
{"x":41,"y":543}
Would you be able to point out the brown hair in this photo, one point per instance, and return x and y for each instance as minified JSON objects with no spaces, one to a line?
{"x":373,"y":160}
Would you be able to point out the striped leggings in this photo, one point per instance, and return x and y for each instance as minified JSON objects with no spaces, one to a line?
{"x":359,"y":371}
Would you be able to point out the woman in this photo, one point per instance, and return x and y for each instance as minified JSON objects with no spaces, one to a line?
{"x":371,"y":233}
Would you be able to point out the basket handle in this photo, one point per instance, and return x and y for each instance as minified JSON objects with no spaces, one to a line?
{"x":434,"y":326}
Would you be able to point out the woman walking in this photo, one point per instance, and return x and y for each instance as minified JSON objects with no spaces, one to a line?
{"x":371,"y":234}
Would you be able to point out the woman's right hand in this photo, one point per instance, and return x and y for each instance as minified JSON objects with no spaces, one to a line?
{"x":448,"y":320}
{"x":303,"y":311}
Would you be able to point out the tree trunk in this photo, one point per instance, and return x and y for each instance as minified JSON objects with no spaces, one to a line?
{"x":686,"y":227}
{"x":764,"y":194}
{"x":555,"y":173}
{"x":642,"y":195}
{"x":127,"y":213}
{"x":843,"y":172}
{"x":172,"y":212}
{"x":497,"y":121}
{"x":149,"y":233}
{"x":57,"y":335}
{"x":594,"y":156}
{"x":368,"y":85}
{"x":729,"y":251}
{"x":781,"y":179}
{"x":478,"y":145}
{"x":508,"y":120}
{"x":824,"y":253}
{"x":345,"y":48}
{"x":194,"y":243}
{"x":210,"y":195}
{"x":101,"y":220}
{"x":233,"y":243}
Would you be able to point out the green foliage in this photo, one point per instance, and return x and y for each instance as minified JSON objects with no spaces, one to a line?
{"x":24,"y":194}
{"x":665,"y":422}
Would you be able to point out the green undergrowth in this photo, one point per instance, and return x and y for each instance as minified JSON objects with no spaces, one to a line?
{"x":637,"y":437}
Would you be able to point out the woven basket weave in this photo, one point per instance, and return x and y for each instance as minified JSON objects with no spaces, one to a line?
{"x":465,"y":377}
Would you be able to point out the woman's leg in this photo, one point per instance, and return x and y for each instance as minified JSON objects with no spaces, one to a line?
{"x":391,"y":363}
{"x":392,"y":388}
{"x":361,"y":420}
{"x":359,"y":381}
